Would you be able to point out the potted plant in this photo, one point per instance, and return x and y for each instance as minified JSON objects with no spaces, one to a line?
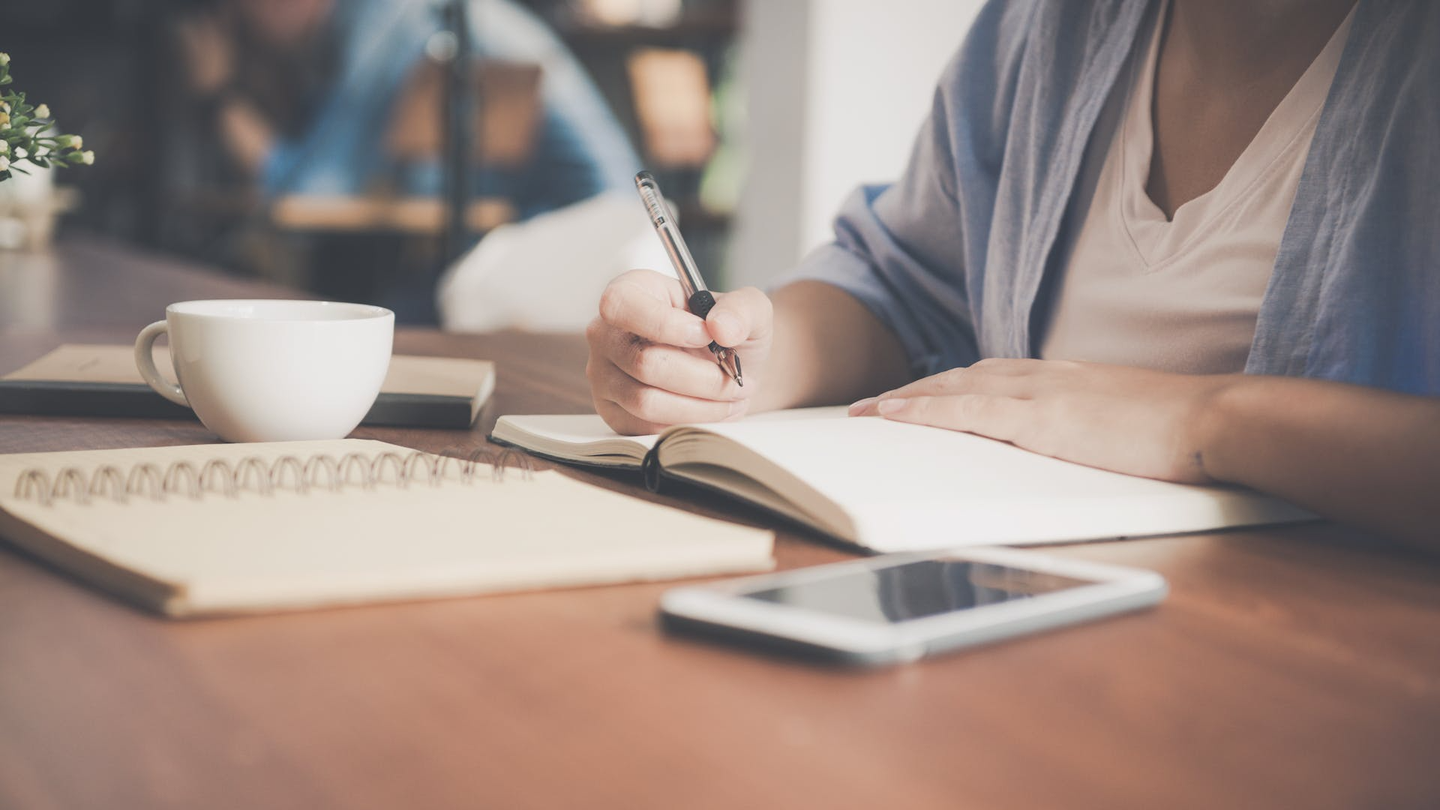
{"x":23,"y":129}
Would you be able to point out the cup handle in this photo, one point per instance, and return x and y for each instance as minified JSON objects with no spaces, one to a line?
{"x":145,"y":361}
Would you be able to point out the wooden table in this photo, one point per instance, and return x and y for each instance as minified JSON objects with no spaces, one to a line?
{"x":1290,"y":668}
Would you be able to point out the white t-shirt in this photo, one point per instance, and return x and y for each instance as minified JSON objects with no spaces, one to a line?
{"x":1182,"y":295}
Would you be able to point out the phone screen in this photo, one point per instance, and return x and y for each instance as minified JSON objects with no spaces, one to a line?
{"x":916,"y":589}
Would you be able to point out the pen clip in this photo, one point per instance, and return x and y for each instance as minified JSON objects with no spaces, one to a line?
{"x":650,"y":196}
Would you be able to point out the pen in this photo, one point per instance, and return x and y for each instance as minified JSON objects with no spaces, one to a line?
{"x":697,"y":295}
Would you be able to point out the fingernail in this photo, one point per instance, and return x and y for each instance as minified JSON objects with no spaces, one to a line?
{"x":697,"y":335}
{"x":737,"y":409}
{"x":892,"y":405}
{"x":860,"y":406}
{"x":725,"y":324}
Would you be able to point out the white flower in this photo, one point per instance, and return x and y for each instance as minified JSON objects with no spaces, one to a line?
{"x":21,"y":153}
{"x":71,"y":141}
{"x":87,"y":157}
{"x":4,"y":147}
{"x":4,"y":59}
{"x":5,"y":108}
{"x":43,"y":111}
{"x":4,"y":163}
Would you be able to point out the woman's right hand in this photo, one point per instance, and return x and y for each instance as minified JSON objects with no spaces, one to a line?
{"x":649,"y":363}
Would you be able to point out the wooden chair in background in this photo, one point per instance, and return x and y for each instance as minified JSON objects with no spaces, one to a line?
{"x":507,"y":121}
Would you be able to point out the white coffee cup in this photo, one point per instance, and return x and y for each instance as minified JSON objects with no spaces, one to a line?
{"x":261,"y":370}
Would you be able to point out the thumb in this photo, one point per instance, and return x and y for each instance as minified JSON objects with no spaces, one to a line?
{"x":738,"y":316}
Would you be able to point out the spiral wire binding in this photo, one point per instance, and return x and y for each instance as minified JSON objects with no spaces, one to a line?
{"x":217,"y":476}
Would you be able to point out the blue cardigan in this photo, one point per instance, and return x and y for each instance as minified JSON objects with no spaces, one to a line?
{"x":956,"y":257}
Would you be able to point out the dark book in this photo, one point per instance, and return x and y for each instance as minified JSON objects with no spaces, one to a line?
{"x":94,"y":380}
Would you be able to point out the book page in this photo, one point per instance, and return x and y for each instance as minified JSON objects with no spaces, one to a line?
{"x":893,"y":486}
{"x":257,"y":551}
{"x":586,"y":438}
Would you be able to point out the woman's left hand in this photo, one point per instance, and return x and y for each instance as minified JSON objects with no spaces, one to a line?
{"x":1129,"y":420}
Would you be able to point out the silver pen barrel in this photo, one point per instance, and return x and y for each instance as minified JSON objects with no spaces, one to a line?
{"x":697,"y":296}
{"x":669,"y":234}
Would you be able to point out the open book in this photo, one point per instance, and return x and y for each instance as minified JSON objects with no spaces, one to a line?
{"x":892,"y":486}
{"x":99,"y":380}
{"x":233,"y":528}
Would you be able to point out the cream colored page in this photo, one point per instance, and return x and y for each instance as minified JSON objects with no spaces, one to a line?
{"x":577,"y":431}
{"x":80,"y":362}
{"x":443,"y":376}
{"x":573,"y":431}
{"x":89,"y":363}
{"x":292,"y":549}
{"x":909,"y":487}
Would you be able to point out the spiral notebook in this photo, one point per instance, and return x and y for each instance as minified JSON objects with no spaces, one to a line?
{"x":220,"y":529}
{"x":891,"y":486}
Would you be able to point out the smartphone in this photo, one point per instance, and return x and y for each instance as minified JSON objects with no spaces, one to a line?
{"x":901,"y":607}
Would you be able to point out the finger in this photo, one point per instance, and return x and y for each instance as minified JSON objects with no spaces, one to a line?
{"x":745,"y":314}
{"x":643,"y":309}
{"x":689,"y":372}
{"x":1011,"y":378}
{"x":622,"y":422}
{"x":658,"y":406}
{"x":997,"y":417}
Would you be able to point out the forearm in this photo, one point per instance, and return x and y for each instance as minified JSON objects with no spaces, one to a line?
{"x":1363,"y":456}
{"x":828,"y":350}
{"x":247,"y":136}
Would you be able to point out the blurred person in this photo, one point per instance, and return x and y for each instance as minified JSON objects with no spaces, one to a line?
{"x":1193,"y":240}
{"x":301,"y":95}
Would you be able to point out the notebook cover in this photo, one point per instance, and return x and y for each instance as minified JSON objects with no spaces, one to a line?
{"x":65,"y":398}
{"x":213,"y":530}
{"x":110,"y":398}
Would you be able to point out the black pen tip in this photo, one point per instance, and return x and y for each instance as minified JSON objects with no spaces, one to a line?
{"x":729,"y":363}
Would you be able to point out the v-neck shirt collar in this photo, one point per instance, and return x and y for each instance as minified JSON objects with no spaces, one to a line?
{"x":1287,"y":130}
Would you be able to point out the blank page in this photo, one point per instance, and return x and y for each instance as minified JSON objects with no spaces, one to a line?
{"x":586,"y":438}
{"x":905,"y":486}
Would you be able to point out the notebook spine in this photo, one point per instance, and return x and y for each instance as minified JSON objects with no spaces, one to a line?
{"x":254,"y":474}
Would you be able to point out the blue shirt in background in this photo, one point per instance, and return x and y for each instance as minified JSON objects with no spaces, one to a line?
{"x":958,"y":257}
{"x":581,"y":149}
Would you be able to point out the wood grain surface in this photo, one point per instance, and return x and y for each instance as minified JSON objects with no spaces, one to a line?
{"x":1289,"y":668}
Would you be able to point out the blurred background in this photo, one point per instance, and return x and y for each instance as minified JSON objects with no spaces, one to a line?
{"x":467,"y":163}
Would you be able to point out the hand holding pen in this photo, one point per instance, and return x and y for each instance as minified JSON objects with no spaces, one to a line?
{"x":654,"y":362}
{"x":697,"y":295}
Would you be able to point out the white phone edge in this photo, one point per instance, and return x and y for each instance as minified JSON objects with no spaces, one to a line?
{"x":717,"y":609}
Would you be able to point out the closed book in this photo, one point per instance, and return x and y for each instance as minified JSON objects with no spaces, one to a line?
{"x":100,"y":380}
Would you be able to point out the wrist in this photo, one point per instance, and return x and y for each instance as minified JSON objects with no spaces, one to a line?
{"x":1222,"y":426}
